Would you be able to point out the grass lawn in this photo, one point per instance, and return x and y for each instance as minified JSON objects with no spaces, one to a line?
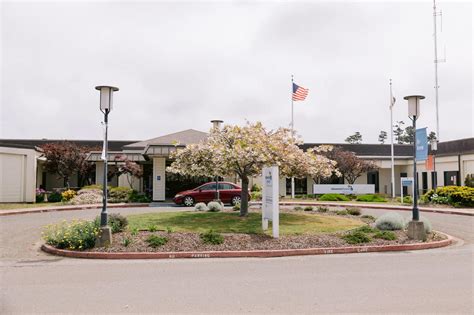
{"x":230,"y":222}
{"x":9,"y":206}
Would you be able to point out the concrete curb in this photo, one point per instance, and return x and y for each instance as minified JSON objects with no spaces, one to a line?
{"x":72,"y":208}
{"x":255,"y":253}
{"x":371,"y":206}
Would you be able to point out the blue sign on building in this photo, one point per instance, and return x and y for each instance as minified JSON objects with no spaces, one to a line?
{"x":421,"y":145}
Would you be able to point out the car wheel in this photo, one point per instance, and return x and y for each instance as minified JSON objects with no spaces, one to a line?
{"x":188,"y":201}
{"x":236,"y":200}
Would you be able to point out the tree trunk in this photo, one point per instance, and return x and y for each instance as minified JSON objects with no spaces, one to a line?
{"x":244,"y":205}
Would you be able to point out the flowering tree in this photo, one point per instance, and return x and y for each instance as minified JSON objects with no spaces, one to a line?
{"x":65,"y":159}
{"x":245,"y":151}
{"x":132,"y":169}
{"x":348,"y":164}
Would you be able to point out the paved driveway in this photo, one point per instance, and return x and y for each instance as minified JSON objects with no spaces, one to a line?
{"x":430,"y":281}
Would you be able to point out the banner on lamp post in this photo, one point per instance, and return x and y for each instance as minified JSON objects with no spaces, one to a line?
{"x":421,"y":145}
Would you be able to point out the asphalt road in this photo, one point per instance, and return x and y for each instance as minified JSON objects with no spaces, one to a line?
{"x":429,"y":281}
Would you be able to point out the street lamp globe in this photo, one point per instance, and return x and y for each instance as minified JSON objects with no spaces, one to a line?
{"x":414,"y":104}
{"x":106,"y":97}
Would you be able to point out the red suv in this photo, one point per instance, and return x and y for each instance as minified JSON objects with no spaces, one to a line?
{"x":228,"y":193}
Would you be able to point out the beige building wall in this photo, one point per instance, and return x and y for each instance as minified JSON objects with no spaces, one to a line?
{"x":124,"y":180}
{"x":17,"y":175}
{"x":159,"y":178}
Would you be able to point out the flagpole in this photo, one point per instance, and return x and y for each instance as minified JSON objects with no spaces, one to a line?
{"x":391,"y":139}
{"x":292,"y":135}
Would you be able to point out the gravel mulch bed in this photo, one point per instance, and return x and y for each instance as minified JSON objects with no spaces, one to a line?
{"x":181,"y":242}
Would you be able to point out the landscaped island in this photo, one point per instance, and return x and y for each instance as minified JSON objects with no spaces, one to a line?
{"x":198,"y":231}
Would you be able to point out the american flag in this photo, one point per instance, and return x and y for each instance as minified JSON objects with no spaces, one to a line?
{"x":299,"y":93}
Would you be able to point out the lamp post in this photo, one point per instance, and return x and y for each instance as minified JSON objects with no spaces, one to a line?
{"x":434,"y":149}
{"x":106,"y":104}
{"x":216,"y":126}
{"x":416,"y":228}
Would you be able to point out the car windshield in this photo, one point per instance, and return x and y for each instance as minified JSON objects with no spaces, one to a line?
{"x":208,"y":187}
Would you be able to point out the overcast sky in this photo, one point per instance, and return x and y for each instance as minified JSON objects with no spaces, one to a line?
{"x":180,"y":64}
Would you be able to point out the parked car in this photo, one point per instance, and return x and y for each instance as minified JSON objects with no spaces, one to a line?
{"x":228,"y":193}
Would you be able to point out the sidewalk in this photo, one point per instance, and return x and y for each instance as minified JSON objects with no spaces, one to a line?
{"x":457,"y":211}
{"x":70,"y":208}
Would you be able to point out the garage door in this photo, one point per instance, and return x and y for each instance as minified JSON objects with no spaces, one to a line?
{"x":12,"y":177}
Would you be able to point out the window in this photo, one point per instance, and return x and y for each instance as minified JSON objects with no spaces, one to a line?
{"x":300,"y":186}
{"x":451,"y":178}
{"x":209,"y":187}
{"x":225,"y":186}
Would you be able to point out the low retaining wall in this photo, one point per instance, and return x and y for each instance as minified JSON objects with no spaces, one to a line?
{"x":253,"y":253}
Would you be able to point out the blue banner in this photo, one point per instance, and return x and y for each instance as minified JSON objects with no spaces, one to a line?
{"x":421,"y":145}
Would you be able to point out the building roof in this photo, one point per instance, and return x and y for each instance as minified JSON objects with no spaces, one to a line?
{"x":455,"y":147}
{"x":184,"y":137}
{"x":114,"y":145}
{"x":369,"y":149}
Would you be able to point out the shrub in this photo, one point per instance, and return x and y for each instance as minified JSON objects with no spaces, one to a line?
{"x":134,"y":231}
{"x":126,"y":241}
{"x":156,"y":241}
{"x":236,"y":207}
{"x":87,"y":196}
{"x":75,"y":235}
{"x":386,"y":235}
{"x":120,"y":194}
{"x":55,"y":197}
{"x":136,"y":196}
{"x":68,"y":195}
{"x":256,"y":195}
{"x":353,"y":211}
{"x":298,"y":208}
{"x":366,"y":229}
{"x":371,"y":198}
{"x":438,"y":200}
{"x":356,"y":237}
{"x":169,"y":229}
{"x":390,"y":221}
{"x":152,"y":228}
{"x":212,"y":237}
{"x":255,"y":187}
{"x":426,"y":224}
{"x":117,"y":222}
{"x":342,"y":212}
{"x":40,"y":194}
{"x":215,"y":206}
{"x":469,"y":181}
{"x":458,"y":196}
{"x":201,"y":206}
{"x":369,"y":217}
{"x":333,"y":197}
{"x":308,"y":208}
{"x":406,"y":199}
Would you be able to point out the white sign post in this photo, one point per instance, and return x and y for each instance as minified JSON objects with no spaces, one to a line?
{"x":270,"y":199}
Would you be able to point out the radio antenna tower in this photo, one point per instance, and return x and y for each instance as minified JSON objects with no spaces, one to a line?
{"x":436,"y":61}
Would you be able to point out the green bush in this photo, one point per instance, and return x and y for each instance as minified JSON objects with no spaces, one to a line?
{"x":152,"y":228}
{"x":156,"y":241}
{"x":298,"y":208}
{"x":116,"y":221}
{"x":458,"y":196}
{"x":366,"y":229}
{"x":119,"y":194}
{"x":255,"y":187}
{"x":390,"y":221}
{"x":371,"y":198}
{"x":356,"y":237}
{"x":236,"y":207}
{"x":333,"y":197}
{"x":126,"y":241}
{"x":256,"y":195}
{"x":353,"y":211}
{"x":75,"y":235}
{"x":406,"y":199}
{"x":342,"y":212}
{"x":323,"y":209}
{"x":386,"y":235}
{"x":212,"y":237}
{"x":138,"y":197}
{"x":215,"y":206}
{"x":55,"y":197}
{"x":134,"y":232}
{"x":469,"y":180}
{"x":308,"y":208}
